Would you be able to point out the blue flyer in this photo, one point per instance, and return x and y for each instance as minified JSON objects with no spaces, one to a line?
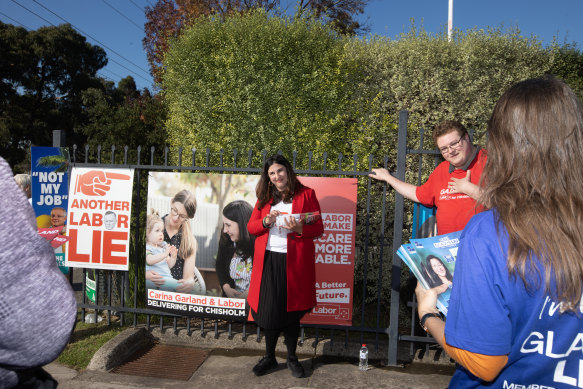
{"x":432,"y":261}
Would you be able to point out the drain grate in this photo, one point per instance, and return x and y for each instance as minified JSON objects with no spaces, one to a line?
{"x":155,"y":362}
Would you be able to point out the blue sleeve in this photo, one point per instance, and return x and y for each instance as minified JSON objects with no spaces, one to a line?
{"x":478,"y":316}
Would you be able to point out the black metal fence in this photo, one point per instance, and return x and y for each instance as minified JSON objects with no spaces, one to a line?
{"x":376,"y":317}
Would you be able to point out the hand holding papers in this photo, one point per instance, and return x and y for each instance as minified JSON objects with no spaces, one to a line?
{"x":306,"y":218}
{"x":432,"y":261}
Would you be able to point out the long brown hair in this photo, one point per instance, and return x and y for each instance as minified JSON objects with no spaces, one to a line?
{"x":240,"y":212}
{"x":187,"y":242}
{"x":265,"y":190}
{"x":534,"y":180}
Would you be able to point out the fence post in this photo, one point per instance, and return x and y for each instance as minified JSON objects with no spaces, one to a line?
{"x":397,"y":239}
{"x":58,"y":138}
{"x":59,"y":141}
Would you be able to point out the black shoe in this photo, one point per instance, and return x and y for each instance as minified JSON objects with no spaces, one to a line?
{"x":295,"y":367}
{"x":264,"y":365}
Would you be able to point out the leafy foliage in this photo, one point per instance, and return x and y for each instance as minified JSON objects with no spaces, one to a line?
{"x":258,"y":82}
{"x":168,"y":18}
{"x":436,"y":80}
{"x":60,"y":162}
{"x":338,"y":13}
{"x":124,"y":114}
{"x":44,"y":73}
{"x":567,"y":63}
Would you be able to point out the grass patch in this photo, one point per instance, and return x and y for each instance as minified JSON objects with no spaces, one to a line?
{"x":85,"y":341}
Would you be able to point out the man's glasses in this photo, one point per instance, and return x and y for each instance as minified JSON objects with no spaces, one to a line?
{"x":174,"y":212}
{"x":452,"y":146}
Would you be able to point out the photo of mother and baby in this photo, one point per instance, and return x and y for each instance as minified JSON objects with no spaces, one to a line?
{"x":209,"y":252}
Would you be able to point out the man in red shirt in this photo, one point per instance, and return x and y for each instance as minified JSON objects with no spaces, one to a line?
{"x":453,"y":186}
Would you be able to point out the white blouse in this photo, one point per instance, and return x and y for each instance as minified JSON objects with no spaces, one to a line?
{"x":278,"y":235}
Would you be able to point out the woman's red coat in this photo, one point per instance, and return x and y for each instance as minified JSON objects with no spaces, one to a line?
{"x":301,"y":270}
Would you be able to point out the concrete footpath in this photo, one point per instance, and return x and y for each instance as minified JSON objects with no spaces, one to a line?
{"x":231,"y":368}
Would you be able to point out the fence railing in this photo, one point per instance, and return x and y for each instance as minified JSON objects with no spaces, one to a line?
{"x":118,"y":294}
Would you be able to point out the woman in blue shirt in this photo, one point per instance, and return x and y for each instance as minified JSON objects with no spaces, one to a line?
{"x":514,"y":317}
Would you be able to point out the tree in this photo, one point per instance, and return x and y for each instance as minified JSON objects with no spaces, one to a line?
{"x":259,"y":82}
{"x":44,"y":73}
{"x":435,"y":79}
{"x":567,"y":63}
{"x":339,"y":13}
{"x":135,"y":117}
{"x":168,"y":18}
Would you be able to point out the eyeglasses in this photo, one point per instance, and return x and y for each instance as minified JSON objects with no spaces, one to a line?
{"x":453,"y":146}
{"x":174,"y":212}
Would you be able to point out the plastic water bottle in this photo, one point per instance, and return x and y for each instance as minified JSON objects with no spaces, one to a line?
{"x":363,"y":362}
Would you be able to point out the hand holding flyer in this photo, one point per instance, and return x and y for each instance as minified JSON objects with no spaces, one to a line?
{"x":306,"y":218}
{"x":432,"y":261}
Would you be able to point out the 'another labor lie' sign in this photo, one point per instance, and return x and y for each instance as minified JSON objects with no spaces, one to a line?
{"x":99,"y":218}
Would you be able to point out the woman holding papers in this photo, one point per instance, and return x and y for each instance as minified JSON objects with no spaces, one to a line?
{"x":514,"y":317}
{"x":282,"y":286}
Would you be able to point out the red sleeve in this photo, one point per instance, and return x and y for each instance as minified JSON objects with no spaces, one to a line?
{"x":255,"y":224}
{"x":425,"y":195}
{"x":311,"y":204}
{"x":427,"y":192}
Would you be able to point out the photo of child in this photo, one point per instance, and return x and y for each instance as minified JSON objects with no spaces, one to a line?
{"x":160,"y":256}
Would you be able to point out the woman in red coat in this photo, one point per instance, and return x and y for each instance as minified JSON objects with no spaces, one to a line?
{"x":283,"y":280}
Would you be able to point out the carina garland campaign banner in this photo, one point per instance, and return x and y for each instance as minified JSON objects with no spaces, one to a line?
{"x":202,"y":290}
{"x":49,"y":195}
{"x":98,"y":220}
{"x":195,"y":285}
{"x":334,"y":250}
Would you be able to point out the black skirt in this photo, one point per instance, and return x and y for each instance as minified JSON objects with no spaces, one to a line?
{"x":272,"y":309}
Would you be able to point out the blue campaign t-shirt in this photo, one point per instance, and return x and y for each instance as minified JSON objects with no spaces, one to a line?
{"x":492,"y":313}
